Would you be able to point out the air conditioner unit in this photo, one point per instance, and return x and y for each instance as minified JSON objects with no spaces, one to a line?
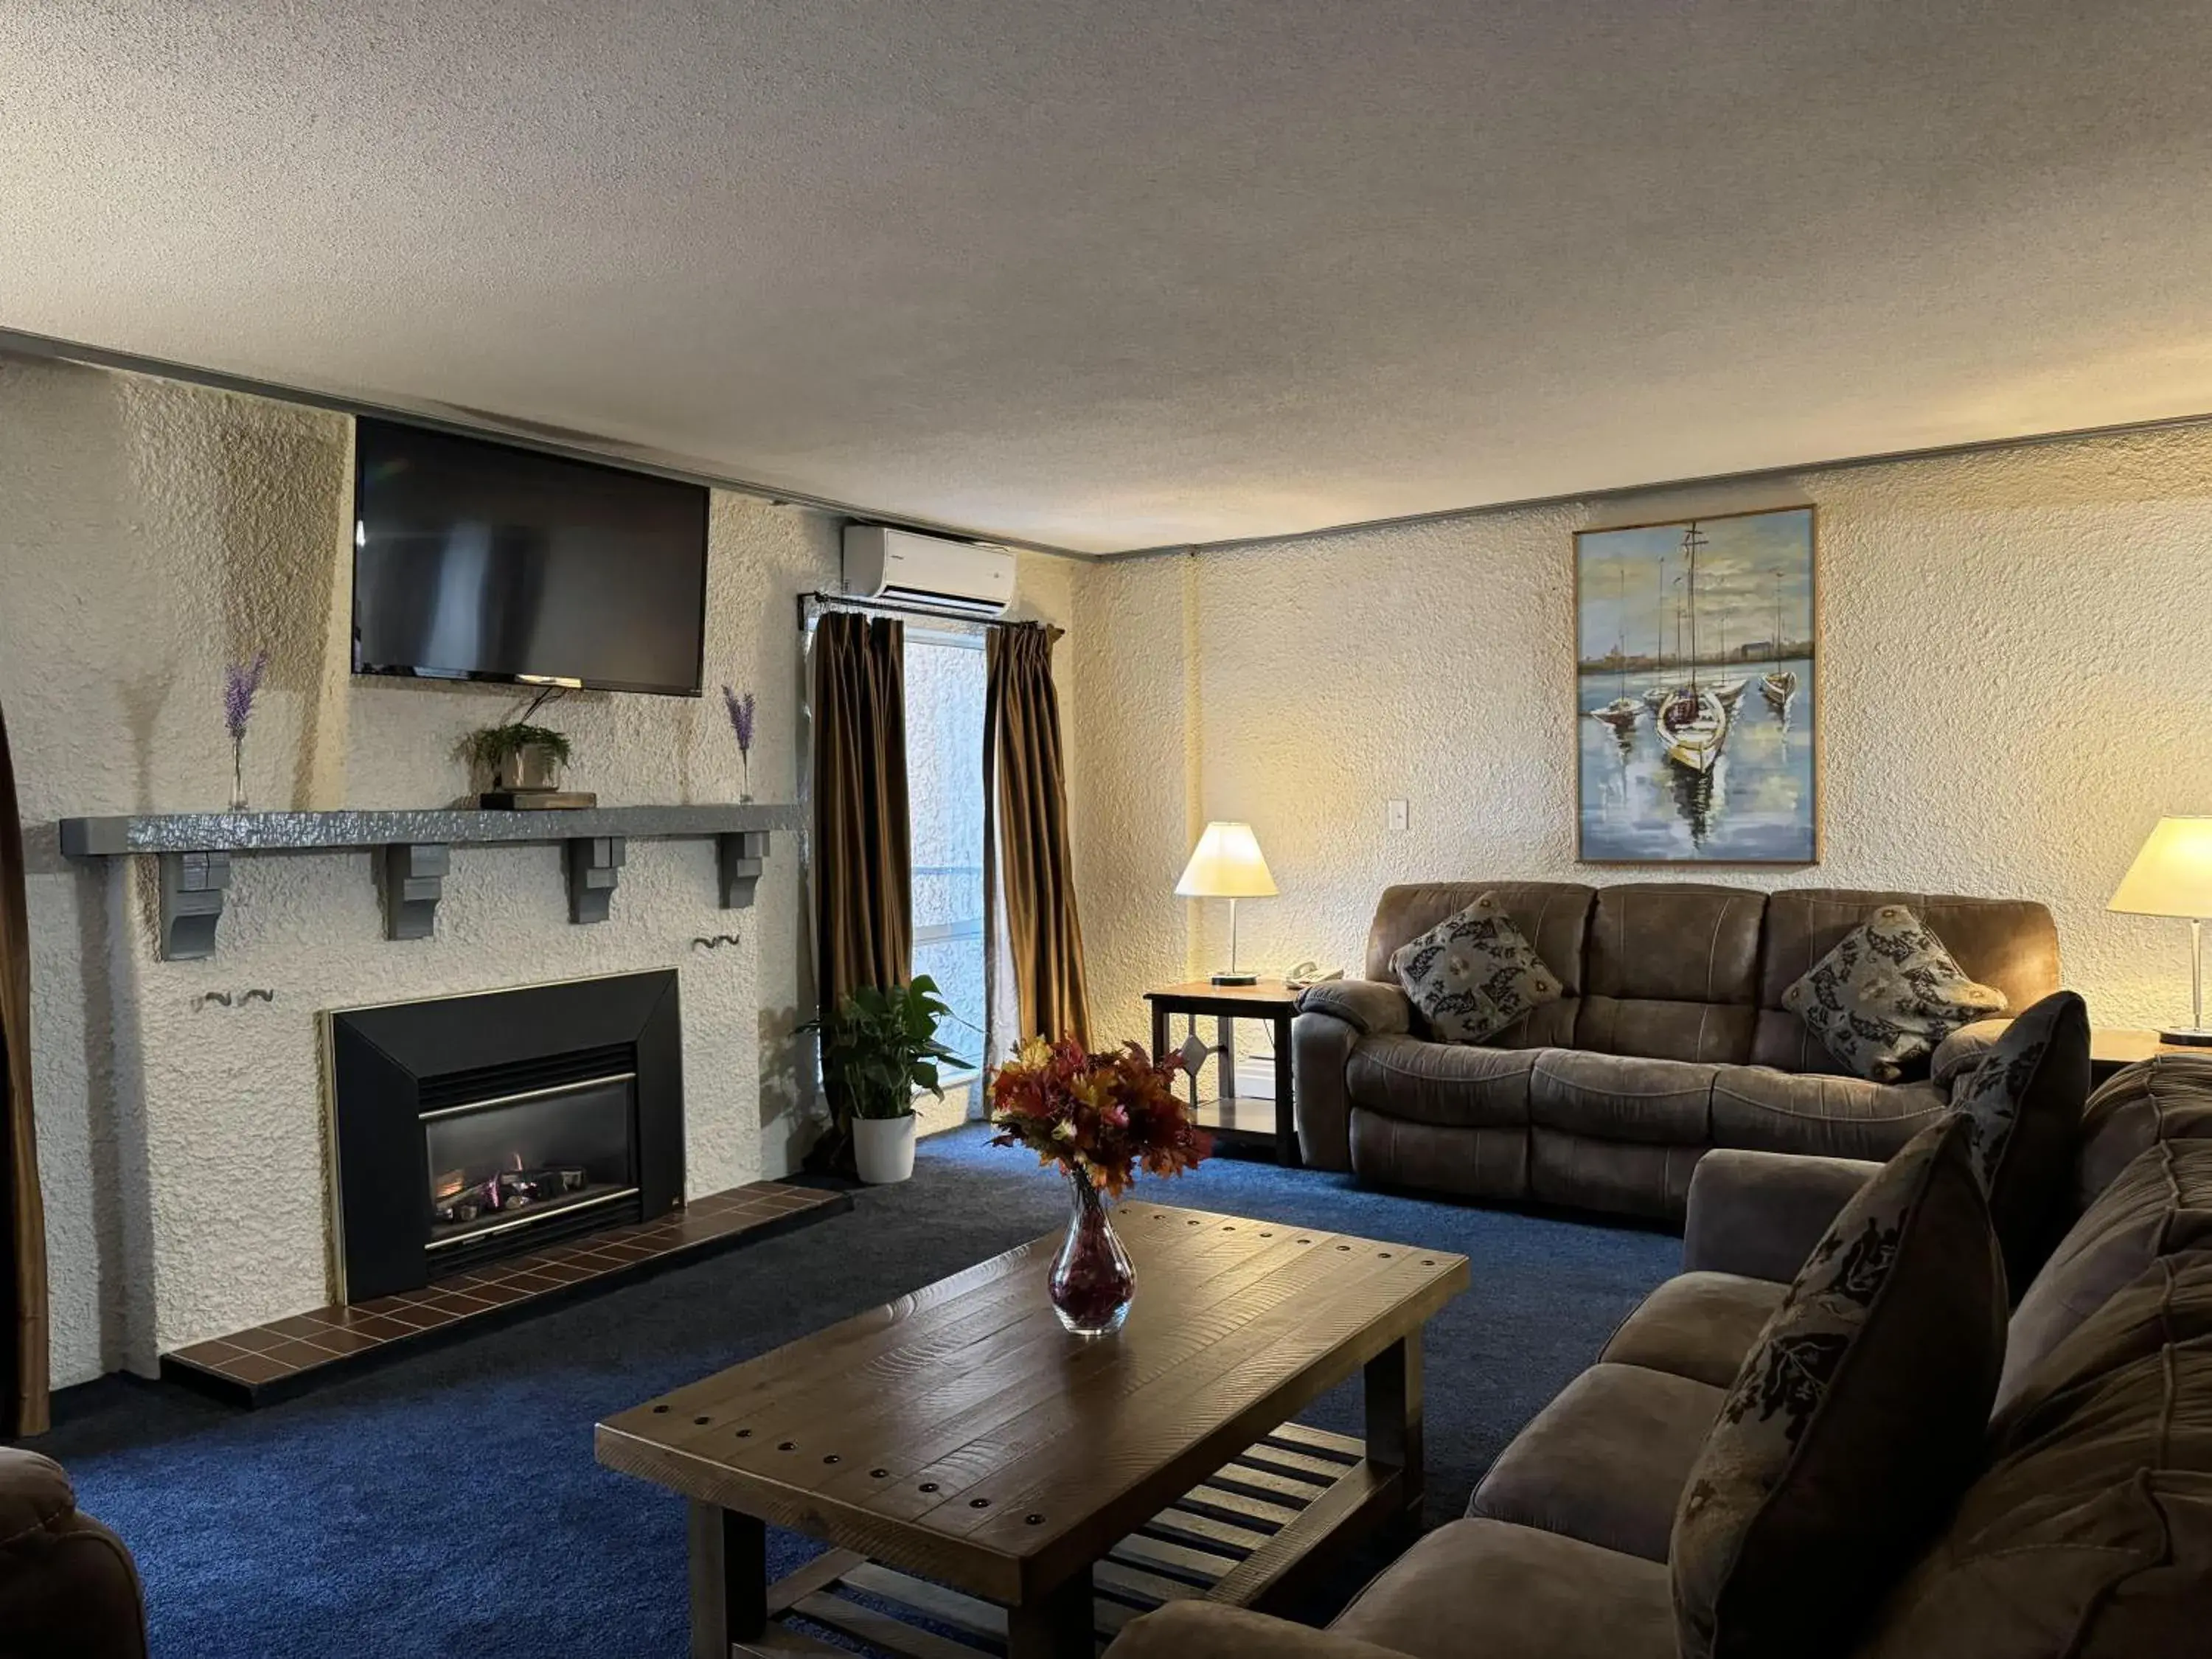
{"x":971,"y":578}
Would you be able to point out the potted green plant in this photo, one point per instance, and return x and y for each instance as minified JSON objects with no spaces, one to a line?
{"x":520,"y":755}
{"x":879,"y":1048}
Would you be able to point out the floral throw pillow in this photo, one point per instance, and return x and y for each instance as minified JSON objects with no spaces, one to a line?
{"x":1473,"y":975}
{"x":2022,"y":1106}
{"x":1887,"y":994}
{"x":1856,"y":1422}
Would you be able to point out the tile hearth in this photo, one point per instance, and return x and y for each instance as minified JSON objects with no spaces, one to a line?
{"x":287,"y":1357}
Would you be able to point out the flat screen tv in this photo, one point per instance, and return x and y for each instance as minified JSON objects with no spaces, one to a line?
{"x":479,"y":561}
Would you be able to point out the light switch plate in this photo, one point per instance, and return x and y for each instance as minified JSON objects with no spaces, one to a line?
{"x":1398,"y":814}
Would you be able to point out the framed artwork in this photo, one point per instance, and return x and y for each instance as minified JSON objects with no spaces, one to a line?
{"x":1698,"y":693}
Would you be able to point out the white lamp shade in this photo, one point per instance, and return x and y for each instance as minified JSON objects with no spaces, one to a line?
{"x":2173,"y":874}
{"x":1226,"y":863}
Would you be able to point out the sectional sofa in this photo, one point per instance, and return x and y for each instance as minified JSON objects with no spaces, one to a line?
{"x":2086,"y":1532}
{"x":1671,"y":1040}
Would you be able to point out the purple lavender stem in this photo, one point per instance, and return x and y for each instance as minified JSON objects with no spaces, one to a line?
{"x":741,"y":717}
{"x":240,"y":683}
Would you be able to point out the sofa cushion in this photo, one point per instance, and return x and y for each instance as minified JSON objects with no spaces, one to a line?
{"x":1819,"y":1114}
{"x":1554,"y":915}
{"x":2165,"y":1097}
{"x":1671,"y":971}
{"x":2009,"y":944}
{"x":2160,"y":1205}
{"x":2022,"y":1105}
{"x":1458,"y":1084}
{"x":2089,"y":1532}
{"x":1856,"y":1421}
{"x":1696,"y":1324}
{"x":1887,"y":994}
{"x":1605,"y":1461}
{"x":1615,"y":1097}
{"x":1488,"y":1590}
{"x":1473,"y":974}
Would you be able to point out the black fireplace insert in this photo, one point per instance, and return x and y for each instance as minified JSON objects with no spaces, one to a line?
{"x":474,"y":1127}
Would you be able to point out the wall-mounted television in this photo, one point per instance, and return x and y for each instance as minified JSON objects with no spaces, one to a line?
{"x":481,"y":561}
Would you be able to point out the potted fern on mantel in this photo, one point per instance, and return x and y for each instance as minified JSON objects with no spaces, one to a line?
{"x":519,"y":758}
{"x":878,"y":1049}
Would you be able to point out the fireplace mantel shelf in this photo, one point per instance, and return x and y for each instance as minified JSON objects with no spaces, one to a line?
{"x":195,"y":850}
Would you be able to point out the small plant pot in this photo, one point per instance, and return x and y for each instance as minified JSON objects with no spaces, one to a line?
{"x":529,"y":769}
{"x":884,"y":1148}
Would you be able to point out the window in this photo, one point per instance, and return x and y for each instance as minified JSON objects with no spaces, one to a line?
{"x":944,"y":794}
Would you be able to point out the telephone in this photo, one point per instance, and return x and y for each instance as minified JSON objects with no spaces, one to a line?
{"x":1309,"y":973}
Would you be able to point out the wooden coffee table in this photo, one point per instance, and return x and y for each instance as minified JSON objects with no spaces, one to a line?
{"x":972,"y":1462}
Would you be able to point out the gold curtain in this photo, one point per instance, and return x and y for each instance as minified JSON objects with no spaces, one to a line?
{"x":863,"y":854}
{"x":1025,"y":838}
{"x":23,"y":1375}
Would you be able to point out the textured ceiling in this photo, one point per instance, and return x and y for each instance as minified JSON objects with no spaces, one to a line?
{"x":1145,"y":271}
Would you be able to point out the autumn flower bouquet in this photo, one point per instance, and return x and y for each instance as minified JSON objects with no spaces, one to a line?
{"x":1101,"y":1118}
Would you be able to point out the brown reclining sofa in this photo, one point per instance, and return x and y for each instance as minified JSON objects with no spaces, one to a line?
{"x":1671,"y":1040}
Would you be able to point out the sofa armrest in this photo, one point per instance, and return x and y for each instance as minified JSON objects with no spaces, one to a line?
{"x":1369,"y":1006}
{"x":67,"y":1584}
{"x":1321,"y":1047}
{"x":1759,"y":1214}
{"x":1964,"y":1049}
{"x":1207,"y":1630}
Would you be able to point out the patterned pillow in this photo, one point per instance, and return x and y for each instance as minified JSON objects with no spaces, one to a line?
{"x":1856,"y":1422}
{"x":1887,"y":994}
{"x":1473,"y":974}
{"x":2022,"y":1105}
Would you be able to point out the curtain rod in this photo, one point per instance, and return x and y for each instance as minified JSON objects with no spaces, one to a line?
{"x":812,"y":604}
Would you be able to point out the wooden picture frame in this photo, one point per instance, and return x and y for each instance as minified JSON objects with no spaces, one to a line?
{"x":1698,"y":710}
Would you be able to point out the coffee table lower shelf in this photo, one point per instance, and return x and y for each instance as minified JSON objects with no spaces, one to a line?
{"x":1284,"y":1504}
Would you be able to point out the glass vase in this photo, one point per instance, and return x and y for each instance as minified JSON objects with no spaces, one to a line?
{"x":238,"y":774}
{"x":1092,"y":1282}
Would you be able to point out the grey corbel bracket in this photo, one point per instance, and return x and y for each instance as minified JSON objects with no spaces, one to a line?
{"x":594,"y":866}
{"x":414,"y":880}
{"x":741,"y":858}
{"x":192,"y":887}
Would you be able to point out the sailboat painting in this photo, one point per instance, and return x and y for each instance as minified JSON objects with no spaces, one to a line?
{"x":1697,"y":735}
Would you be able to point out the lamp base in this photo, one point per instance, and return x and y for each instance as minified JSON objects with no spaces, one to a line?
{"x":2186,"y":1036}
{"x":1233,"y":978}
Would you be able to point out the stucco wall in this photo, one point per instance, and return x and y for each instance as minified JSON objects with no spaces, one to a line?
{"x":2014,"y":678}
{"x":148,"y":534}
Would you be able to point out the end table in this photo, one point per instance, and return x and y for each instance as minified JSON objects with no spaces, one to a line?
{"x":1271,"y":1000}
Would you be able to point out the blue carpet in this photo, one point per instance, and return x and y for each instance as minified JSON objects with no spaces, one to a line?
{"x":449,"y":1504}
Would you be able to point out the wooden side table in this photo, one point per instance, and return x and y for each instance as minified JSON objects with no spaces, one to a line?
{"x":2110,"y":1050}
{"x":1223,"y":1114}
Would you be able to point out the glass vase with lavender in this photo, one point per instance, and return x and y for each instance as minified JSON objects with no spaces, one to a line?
{"x":741,"y":710}
{"x":242,"y":683}
{"x":1100,"y":1118}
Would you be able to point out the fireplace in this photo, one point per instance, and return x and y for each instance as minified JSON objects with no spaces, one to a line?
{"x":466,"y":1128}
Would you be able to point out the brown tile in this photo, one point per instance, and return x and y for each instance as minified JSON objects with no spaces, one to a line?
{"x":254,"y":1368}
{"x":384,"y":1307}
{"x":420,"y":1319}
{"x":377,"y":1330}
{"x":259,"y":1340}
{"x":298,"y":1356}
{"x":536,"y":1283}
{"x":564,"y":1272}
{"x":209,"y":1354}
{"x":335,"y":1340}
{"x":306,"y":1327}
{"x":498,"y":1296}
{"x":626,"y":1252}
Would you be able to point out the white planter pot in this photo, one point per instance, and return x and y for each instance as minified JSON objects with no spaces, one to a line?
{"x":884,"y":1148}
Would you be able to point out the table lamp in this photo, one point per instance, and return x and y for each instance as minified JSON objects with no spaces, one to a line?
{"x":2172,"y":876}
{"x":1226,"y":863}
